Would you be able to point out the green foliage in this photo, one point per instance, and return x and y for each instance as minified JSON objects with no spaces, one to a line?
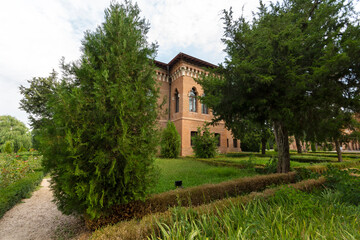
{"x":14,"y":131}
{"x":290,"y":214}
{"x":36,"y":97}
{"x":22,"y":149}
{"x":14,"y":167}
{"x":99,"y":134}
{"x":170,"y":141}
{"x":250,"y":143}
{"x":204,"y":143}
{"x":14,"y":193}
{"x":304,"y":173}
{"x":279,"y":71}
{"x":313,"y":147}
{"x":8,"y":147}
{"x":344,"y":183}
{"x":271,"y":165}
{"x":275,"y":147}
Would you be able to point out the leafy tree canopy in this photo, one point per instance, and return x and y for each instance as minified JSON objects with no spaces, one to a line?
{"x":14,"y":131}
{"x":289,"y":65}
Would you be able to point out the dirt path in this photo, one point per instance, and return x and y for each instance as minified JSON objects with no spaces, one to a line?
{"x":38,"y":218}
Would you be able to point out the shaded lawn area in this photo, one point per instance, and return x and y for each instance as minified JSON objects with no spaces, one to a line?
{"x":193,"y":173}
{"x":246,"y":159}
{"x":315,"y":157}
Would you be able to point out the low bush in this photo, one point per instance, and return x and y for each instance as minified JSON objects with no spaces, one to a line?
{"x":250,"y":143}
{"x":190,"y":197}
{"x":8,"y":147}
{"x":271,"y":165}
{"x":13,"y":193}
{"x":205,"y":144}
{"x":170,"y":141}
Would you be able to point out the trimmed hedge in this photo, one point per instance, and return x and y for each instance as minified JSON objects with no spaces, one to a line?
{"x":12,"y":194}
{"x":135,"y":229}
{"x":193,"y":196}
{"x":322,"y":168}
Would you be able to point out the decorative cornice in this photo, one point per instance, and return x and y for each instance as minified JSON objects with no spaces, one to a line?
{"x":186,"y":71}
{"x":163,"y":77}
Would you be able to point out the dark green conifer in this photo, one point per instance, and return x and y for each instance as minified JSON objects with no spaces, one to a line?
{"x":100,"y":141}
{"x":170,"y":141}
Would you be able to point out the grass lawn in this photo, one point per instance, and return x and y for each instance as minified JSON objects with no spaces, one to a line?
{"x":297,"y":160}
{"x":193,"y":173}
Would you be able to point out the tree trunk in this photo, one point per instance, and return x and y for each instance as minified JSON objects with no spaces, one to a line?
{"x":282,"y":141}
{"x":263,"y":145}
{"x":338,"y":150}
{"x":298,"y":145}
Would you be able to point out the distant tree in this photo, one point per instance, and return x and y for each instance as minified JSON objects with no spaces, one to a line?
{"x":170,"y":141}
{"x":35,"y":99}
{"x":14,"y":131}
{"x":98,"y":131}
{"x":204,"y":143}
{"x":337,"y":127}
{"x":287,"y":65}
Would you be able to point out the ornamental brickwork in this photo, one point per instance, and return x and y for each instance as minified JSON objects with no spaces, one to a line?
{"x":176,"y":80}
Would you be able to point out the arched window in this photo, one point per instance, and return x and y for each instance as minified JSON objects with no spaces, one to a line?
{"x":204,"y":108}
{"x":192,"y":100}
{"x":177,"y":100}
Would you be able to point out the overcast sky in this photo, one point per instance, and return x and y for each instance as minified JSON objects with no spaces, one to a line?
{"x":35,"y":34}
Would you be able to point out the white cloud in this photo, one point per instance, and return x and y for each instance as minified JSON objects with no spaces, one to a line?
{"x":36,"y":34}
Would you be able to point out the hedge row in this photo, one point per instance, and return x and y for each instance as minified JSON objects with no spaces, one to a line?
{"x":322,"y":168}
{"x":135,"y":229}
{"x":193,"y":196}
{"x":12,"y":194}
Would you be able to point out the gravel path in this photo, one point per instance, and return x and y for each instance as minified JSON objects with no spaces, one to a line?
{"x":38,"y":218}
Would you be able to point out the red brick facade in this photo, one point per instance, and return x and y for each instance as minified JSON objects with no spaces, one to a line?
{"x":176,"y":81}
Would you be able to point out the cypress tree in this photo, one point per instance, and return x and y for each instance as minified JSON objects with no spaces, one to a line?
{"x":170,"y":141}
{"x":100,"y":142}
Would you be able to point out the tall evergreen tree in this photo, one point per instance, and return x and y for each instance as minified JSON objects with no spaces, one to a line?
{"x":100,"y":142}
{"x":170,"y":144}
{"x":288,"y":65}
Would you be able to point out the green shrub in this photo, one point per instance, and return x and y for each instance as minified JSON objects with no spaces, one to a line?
{"x":22,"y":149}
{"x":100,"y":143}
{"x":313,"y":147}
{"x":12,"y":194}
{"x":250,"y":143}
{"x":8,"y":147}
{"x":275,"y":147}
{"x":304,"y":173}
{"x":205,"y":144}
{"x":271,"y":165}
{"x":170,"y":141}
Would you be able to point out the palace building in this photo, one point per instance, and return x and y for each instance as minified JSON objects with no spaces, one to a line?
{"x":180,"y":92}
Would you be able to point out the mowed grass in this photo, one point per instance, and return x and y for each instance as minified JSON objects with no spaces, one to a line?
{"x":296,"y":160}
{"x":193,"y":173}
